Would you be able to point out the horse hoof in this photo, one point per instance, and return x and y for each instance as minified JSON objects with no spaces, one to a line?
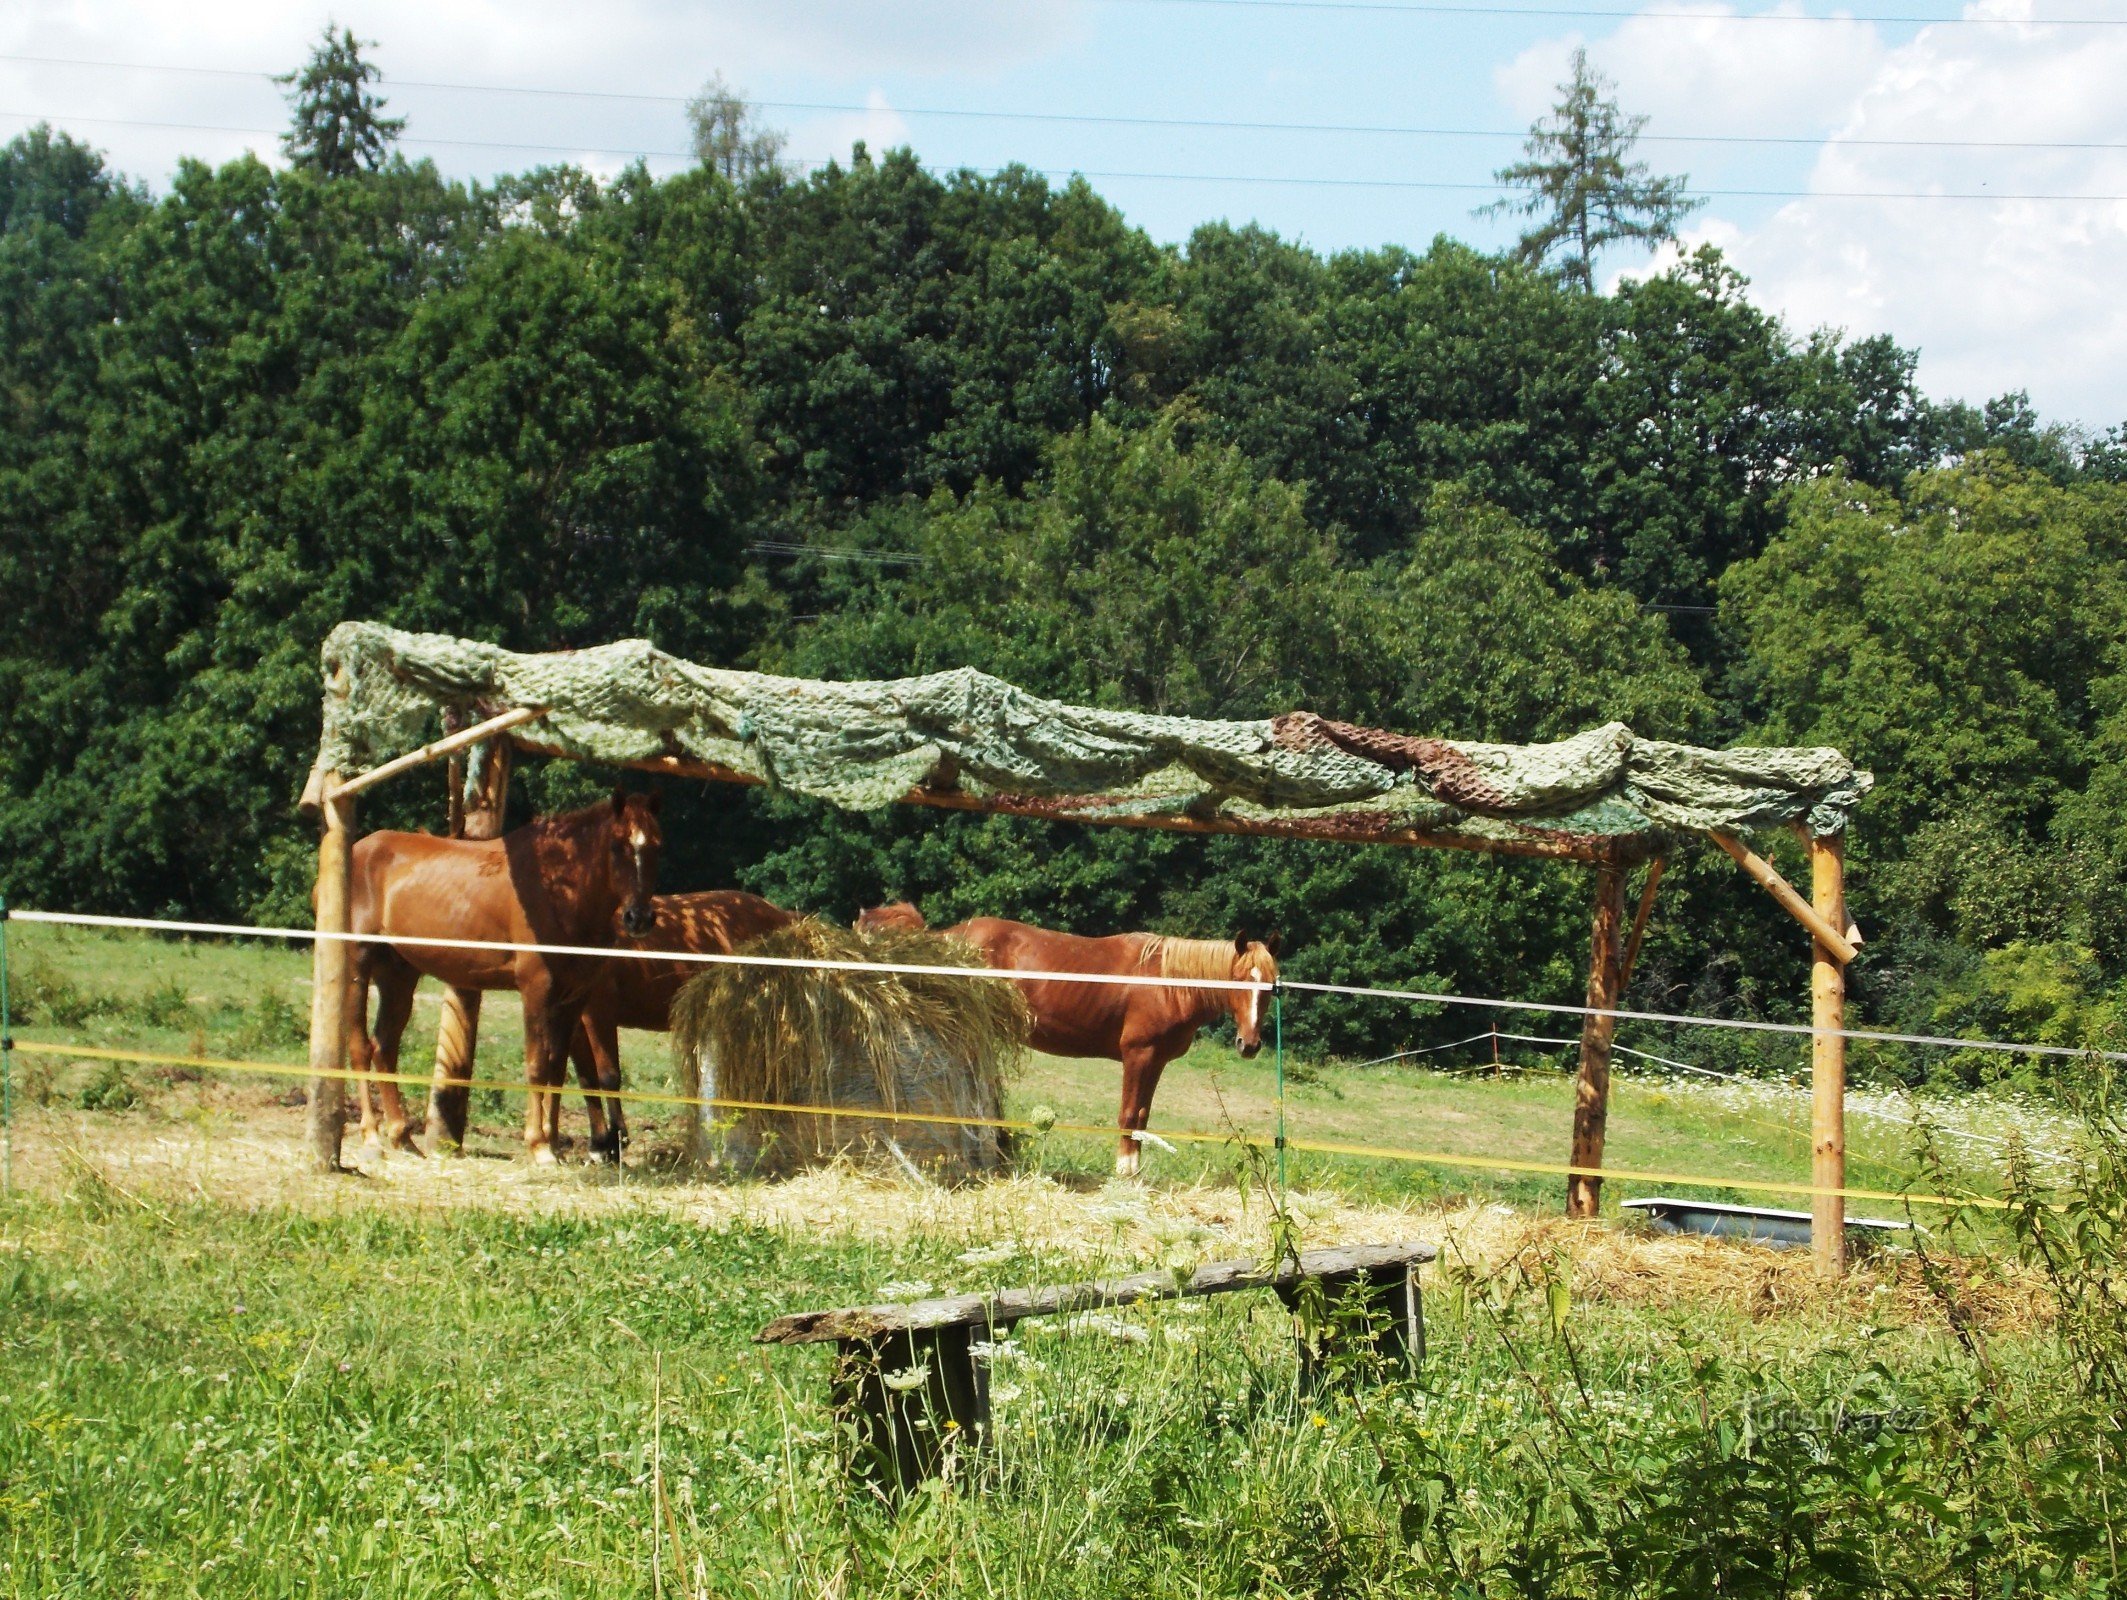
{"x":543,"y":1156}
{"x":1126,"y":1166}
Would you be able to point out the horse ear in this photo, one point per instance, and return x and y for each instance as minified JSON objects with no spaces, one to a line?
{"x":1274,"y":943}
{"x":1240,"y":943}
{"x":656,"y":801}
{"x":620,"y":800}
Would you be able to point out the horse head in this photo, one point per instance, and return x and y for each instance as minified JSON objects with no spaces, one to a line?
{"x":1254,"y":961}
{"x":900,"y":914}
{"x":633,"y":844}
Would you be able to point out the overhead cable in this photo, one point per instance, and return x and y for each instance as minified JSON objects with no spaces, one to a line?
{"x":641,"y":152}
{"x":1100,"y":119}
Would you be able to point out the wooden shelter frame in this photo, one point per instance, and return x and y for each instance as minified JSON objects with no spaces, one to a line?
{"x":1614,"y":944}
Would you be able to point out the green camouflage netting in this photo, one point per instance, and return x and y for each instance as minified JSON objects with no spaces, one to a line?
{"x":864,"y":745}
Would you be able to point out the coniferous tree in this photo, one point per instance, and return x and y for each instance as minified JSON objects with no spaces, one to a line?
{"x":338,"y":126}
{"x":1582,"y":184}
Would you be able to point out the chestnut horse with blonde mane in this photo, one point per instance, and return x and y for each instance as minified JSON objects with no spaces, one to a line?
{"x":638,"y":994}
{"x":1144,"y":1026}
{"x":562,"y":880}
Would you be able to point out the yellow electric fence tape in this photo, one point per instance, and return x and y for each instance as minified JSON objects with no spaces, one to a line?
{"x":1329,"y":1147}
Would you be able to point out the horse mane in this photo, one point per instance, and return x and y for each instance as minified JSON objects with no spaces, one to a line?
{"x":1188,"y":958}
{"x":566,"y":824}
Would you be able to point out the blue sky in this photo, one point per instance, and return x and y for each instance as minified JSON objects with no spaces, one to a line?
{"x":1997,"y":295}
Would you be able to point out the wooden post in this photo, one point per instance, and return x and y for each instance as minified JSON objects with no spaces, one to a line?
{"x":1827,"y":1078}
{"x":458,"y":1029}
{"x":484,"y":818}
{"x":1640,"y":919}
{"x":331,"y":962}
{"x":1373,"y":1324}
{"x":454,"y":796}
{"x":1591,"y":1095}
{"x":915,"y":1399}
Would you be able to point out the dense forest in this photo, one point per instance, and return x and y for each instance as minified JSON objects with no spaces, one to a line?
{"x":876,"y":420}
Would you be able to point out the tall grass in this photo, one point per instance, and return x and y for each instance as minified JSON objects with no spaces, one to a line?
{"x":208,"y":1400}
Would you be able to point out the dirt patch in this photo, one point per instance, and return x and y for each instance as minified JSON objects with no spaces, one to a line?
{"x":242,"y":1147}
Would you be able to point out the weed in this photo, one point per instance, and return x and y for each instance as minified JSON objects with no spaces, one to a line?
{"x":271,"y":1022}
{"x":166,"y":1005}
{"x":40,"y":996}
{"x":109,"y":1089}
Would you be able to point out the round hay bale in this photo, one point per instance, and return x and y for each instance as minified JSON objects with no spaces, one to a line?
{"x":926,"y":1045}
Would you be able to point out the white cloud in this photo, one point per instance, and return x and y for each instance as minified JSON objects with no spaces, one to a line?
{"x":1995,"y":294}
{"x":1702,"y":75}
{"x":648,"y":47}
{"x":879,"y":125}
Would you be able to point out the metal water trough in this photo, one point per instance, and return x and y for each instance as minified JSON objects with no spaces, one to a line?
{"x":1783,"y":1229}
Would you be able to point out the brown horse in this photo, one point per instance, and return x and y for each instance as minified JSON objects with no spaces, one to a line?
{"x":1144,"y":1026}
{"x":900,"y":914}
{"x":638,"y":994}
{"x":555,"y":881}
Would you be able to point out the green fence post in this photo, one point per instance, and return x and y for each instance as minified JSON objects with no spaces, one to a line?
{"x":7,"y":1070}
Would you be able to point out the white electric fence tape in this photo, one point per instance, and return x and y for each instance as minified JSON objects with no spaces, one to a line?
{"x":1141,"y":980}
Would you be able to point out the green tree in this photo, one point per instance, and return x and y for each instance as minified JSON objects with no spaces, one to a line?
{"x":1139,"y":573}
{"x":1963,"y":641}
{"x":1583,"y":187}
{"x":907,"y":332}
{"x":337,"y":126}
{"x":728,"y":136}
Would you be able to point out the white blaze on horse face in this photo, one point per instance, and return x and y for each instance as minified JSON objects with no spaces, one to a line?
{"x":1256,"y":972}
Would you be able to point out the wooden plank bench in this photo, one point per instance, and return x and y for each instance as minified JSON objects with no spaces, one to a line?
{"x":908,"y":1375}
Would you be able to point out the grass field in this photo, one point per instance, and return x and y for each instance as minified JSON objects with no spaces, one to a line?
{"x":227,"y":1377}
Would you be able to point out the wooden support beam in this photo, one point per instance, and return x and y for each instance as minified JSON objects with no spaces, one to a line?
{"x":1827,"y":1077}
{"x":1591,"y":1094}
{"x":1639,"y":924}
{"x":517,"y":717}
{"x":331,"y":963}
{"x":1831,"y":935}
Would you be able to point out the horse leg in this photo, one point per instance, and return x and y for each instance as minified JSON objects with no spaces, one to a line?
{"x":547,"y":1030}
{"x":361,"y":1047}
{"x":596,"y":1051}
{"x":396,"y":981}
{"x":1142,"y":1066}
{"x":457,"y":1044}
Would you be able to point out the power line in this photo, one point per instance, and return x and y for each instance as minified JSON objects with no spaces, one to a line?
{"x":1431,"y":184}
{"x":1099,"y":119}
{"x":1451,"y":9}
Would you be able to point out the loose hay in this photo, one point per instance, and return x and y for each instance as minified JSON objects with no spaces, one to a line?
{"x":929,"y":1045}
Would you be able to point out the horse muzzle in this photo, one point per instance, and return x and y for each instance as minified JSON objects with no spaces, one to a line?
{"x":638,"y":920}
{"x":1249,"y":1051}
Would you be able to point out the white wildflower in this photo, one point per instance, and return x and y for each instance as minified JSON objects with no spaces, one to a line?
{"x":904,"y":1289}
